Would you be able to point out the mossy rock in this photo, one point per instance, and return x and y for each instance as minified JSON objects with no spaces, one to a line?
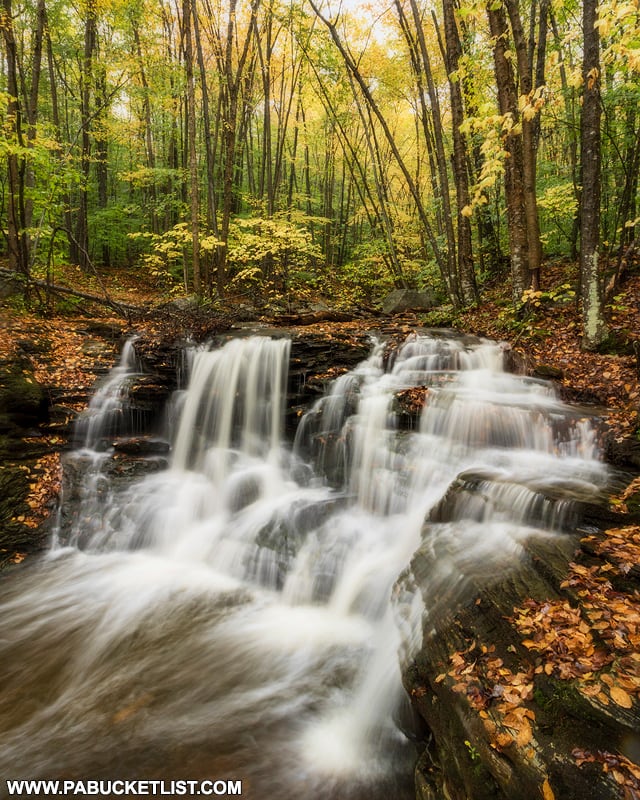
{"x":22,"y":399}
{"x":15,"y":536}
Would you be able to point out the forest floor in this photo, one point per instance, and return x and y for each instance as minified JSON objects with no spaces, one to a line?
{"x":546,"y":333}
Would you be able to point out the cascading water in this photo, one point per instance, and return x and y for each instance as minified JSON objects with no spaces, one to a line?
{"x":230,"y":617}
{"x":108,"y":411}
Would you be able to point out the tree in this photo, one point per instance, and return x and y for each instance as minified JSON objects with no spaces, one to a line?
{"x":194,"y":203}
{"x":448,"y":279}
{"x":528,"y":106}
{"x":594,"y":330}
{"x":17,"y":239}
{"x":460,"y":158}
{"x":514,"y":158}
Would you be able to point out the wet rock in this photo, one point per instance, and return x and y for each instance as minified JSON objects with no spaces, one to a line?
{"x":162,"y":359}
{"x":22,"y":400}
{"x":567,"y":506}
{"x":112,"y":331}
{"x":280,"y":540}
{"x":141,"y":446}
{"x":148,"y":393}
{"x":408,"y":405}
{"x":316,"y":360}
{"x":623,"y":452}
{"x":548,"y":372}
{"x":470,"y":654}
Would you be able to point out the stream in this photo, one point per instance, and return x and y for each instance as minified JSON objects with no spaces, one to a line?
{"x":234,"y":614}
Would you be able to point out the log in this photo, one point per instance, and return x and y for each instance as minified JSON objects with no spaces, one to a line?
{"x":124,"y":309}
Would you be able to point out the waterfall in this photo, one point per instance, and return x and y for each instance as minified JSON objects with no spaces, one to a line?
{"x":107,"y":414}
{"x":236,"y":615}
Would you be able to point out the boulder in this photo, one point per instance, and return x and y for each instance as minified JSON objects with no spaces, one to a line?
{"x":22,"y":399}
{"x":407,"y":300}
{"x":512,"y":714}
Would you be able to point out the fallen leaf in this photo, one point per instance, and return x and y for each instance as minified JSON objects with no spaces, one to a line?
{"x":620,"y":697}
{"x":547,"y":791}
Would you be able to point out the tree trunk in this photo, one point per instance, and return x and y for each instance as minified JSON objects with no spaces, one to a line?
{"x":448,"y":279}
{"x":572,"y":127}
{"x":86,"y":85}
{"x":594,"y":330}
{"x":148,"y":129}
{"x":358,"y":170}
{"x":525,"y":73}
{"x":32,"y":108}
{"x":191,"y":145}
{"x":212,"y":221}
{"x":17,"y":240}
{"x":102,"y":152}
{"x":453,"y":53}
{"x":231,"y":82}
{"x":513,"y":166}
{"x":441,"y":159}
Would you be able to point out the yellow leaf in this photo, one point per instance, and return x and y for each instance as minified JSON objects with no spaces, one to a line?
{"x":504,"y":739}
{"x":620,"y":697}
{"x":524,"y":734}
{"x":547,"y":791}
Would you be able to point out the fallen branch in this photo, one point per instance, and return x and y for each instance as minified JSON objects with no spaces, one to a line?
{"x":124,"y":309}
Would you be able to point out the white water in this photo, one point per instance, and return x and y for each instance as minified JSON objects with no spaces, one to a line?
{"x":108,"y":408}
{"x":230,"y":617}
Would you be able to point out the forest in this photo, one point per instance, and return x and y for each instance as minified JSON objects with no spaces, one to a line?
{"x":275,"y":149}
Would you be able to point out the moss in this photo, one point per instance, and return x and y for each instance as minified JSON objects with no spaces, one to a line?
{"x":614,"y":345}
{"x":20,"y":394}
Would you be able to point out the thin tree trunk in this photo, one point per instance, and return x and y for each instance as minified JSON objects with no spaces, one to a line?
{"x":148,"y":128}
{"x":102,"y":162}
{"x":380,"y":184}
{"x":187,"y":11}
{"x":363,"y":185}
{"x":231,"y":88}
{"x":17,"y":240}
{"x":572,"y":127}
{"x":441,"y":158}
{"x":86,"y":86}
{"x":460,"y":174}
{"x":212,"y":220}
{"x":448,"y":279}
{"x":513,"y":166}
{"x":32,"y":107}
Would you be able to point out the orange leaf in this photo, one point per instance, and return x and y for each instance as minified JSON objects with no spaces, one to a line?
{"x":620,"y":697}
{"x":547,"y":791}
{"x":524,"y":734}
{"x":504,"y":739}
